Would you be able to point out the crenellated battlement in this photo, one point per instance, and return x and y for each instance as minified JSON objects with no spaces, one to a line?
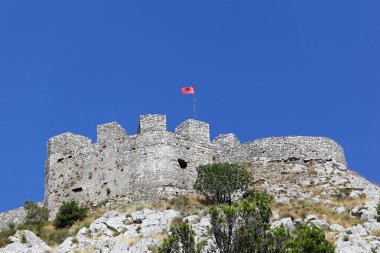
{"x":155,"y":163}
{"x":151,"y":123}
{"x":194,"y":130}
{"x":111,"y":133}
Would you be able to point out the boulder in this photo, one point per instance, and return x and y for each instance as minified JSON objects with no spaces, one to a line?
{"x":285,"y":222}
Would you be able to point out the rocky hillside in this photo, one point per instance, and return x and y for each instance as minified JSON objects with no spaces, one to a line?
{"x":322,"y":193}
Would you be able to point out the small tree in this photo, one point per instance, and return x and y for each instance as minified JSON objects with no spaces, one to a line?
{"x":309,"y":239}
{"x":68,"y":213}
{"x":378,"y":211}
{"x":219,"y":181}
{"x":244,"y":226}
{"x":181,"y":239}
{"x":35,"y":214}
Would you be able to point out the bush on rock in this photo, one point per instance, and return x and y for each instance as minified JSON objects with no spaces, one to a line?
{"x":68,"y":213}
{"x":181,"y":239}
{"x":35,"y":214}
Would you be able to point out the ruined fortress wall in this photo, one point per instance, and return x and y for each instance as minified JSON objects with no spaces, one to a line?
{"x":229,"y":149}
{"x":296,"y":147}
{"x":152,"y":164}
{"x":155,"y":163}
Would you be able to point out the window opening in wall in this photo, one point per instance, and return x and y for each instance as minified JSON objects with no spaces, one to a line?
{"x":79,"y":189}
{"x":182,"y":163}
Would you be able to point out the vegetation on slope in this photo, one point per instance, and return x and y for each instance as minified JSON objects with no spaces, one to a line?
{"x":37,"y":222}
{"x":243,"y":226}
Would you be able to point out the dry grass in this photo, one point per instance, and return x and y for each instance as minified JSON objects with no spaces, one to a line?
{"x":316,"y":191}
{"x":349,"y":203}
{"x":130,"y":240}
{"x":189,"y":204}
{"x":301,"y":209}
{"x":331,"y":237}
{"x":375,"y":232}
{"x":53,"y":236}
{"x":160,"y":237}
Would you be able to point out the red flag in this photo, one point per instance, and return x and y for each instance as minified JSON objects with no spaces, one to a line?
{"x":188,"y":90}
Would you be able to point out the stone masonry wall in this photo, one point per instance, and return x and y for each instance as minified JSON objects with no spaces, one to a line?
{"x":155,"y":163}
{"x":296,"y":147}
{"x":229,"y":149}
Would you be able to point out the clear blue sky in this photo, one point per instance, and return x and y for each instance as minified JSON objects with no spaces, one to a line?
{"x":261,"y":68}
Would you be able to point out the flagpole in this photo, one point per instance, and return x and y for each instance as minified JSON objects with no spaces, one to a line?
{"x":195,"y":112}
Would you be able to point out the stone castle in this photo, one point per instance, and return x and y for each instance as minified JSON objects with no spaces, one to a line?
{"x":155,"y":163}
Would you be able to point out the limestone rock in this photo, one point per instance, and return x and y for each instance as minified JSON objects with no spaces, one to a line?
{"x":366,"y":212}
{"x":313,"y":219}
{"x":25,"y":241}
{"x":285,"y":222}
{"x":111,"y":233}
{"x":357,"y":230}
{"x":339,"y":210}
{"x":336,"y":227}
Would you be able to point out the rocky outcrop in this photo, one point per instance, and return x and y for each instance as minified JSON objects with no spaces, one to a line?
{"x":15,"y":216}
{"x":315,"y":181}
{"x":25,"y":241}
{"x":144,"y":230}
{"x":118,"y":232}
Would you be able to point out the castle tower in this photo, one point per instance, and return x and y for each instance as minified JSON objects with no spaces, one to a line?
{"x":194,"y":130}
{"x":66,"y":158}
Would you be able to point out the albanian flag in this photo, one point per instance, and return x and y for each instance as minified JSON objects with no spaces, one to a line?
{"x":188,"y":90}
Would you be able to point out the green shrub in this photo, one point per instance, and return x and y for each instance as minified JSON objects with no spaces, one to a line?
{"x":309,"y":239}
{"x":68,"y":213}
{"x":219,"y":181}
{"x":35,"y":214}
{"x":378,"y":211}
{"x":244,"y":226}
{"x":181,"y":239}
{"x":277,"y":239}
